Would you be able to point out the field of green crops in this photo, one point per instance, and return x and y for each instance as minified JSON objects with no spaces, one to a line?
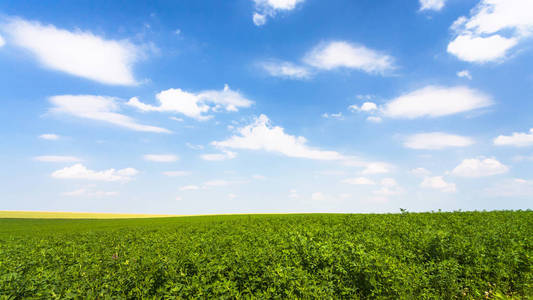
{"x":464,"y":255}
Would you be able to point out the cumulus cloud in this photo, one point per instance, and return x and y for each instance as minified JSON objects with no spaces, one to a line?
{"x":79,"y":53}
{"x":492,"y":30}
{"x":517,"y":139}
{"x":341,"y":54}
{"x":195,"y":105}
{"x":358,"y":181}
{"x":161,"y":157}
{"x":464,"y":74}
{"x":79,"y":171}
{"x":432,"y":4}
{"x":366,"y":107}
{"x":261,"y":135}
{"x":436,"y":101}
{"x":480,"y":49}
{"x":436,"y":140}
{"x":98,"y":108}
{"x":56,"y":158}
{"x":225,"y":155}
{"x":479,"y":167}
{"x":49,"y":136}
{"x":438,"y":183}
{"x":269,"y":8}
{"x":285,"y":70}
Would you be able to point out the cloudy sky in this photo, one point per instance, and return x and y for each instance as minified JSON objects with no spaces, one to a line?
{"x":193,"y":107}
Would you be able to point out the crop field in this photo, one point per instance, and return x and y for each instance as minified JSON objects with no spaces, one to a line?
{"x":459,"y":255}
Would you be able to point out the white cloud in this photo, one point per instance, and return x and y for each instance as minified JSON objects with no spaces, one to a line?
{"x":99,"y":108}
{"x":194,"y":147}
{"x":189,"y":188}
{"x":494,"y":27}
{"x":436,"y":140}
{"x":374,"y":119}
{"x":269,"y":8}
{"x":176,"y":173}
{"x":79,"y":53}
{"x":376,"y":168}
{"x":89,"y":193}
{"x":318,"y":196}
{"x":432,"y":4}
{"x":515,"y":187}
{"x":2,"y":41}
{"x":420,"y":172}
{"x":480,"y":49}
{"x":436,"y":101}
{"x":219,"y":183}
{"x":258,"y":177}
{"x":219,"y":156}
{"x":56,"y":158}
{"x":232,"y":196}
{"x":259,"y":19}
{"x":261,"y":135}
{"x":389,"y":187}
{"x":49,"y":136}
{"x":194,"y":105}
{"x":293,"y":194}
{"x":285,"y":69}
{"x":161,"y":157}
{"x":366,"y":107}
{"x":517,"y":139}
{"x":337,"y":116}
{"x":438,"y":183}
{"x":464,"y":74}
{"x":358,"y":181}
{"x":479,"y":167}
{"x":176,"y":119}
{"x":340,"y":54}
{"x":79,"y":171}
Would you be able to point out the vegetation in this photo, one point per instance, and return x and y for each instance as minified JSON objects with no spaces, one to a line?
{"x":464,"y":255}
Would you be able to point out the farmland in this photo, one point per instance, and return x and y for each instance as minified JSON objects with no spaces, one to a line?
{"x":465,"y":255}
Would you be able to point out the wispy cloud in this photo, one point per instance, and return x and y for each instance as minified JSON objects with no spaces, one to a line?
{"x":79,"y":171}
{"x":98,"y":108}
{"x":57,"y":158}
{"x":436,"y":141}
{"x":80,"y":53}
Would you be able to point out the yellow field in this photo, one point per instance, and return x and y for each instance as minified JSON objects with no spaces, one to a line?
{"x":73,"y":215}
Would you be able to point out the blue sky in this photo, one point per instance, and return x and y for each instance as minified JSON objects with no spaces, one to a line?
{"x":194,"y":107}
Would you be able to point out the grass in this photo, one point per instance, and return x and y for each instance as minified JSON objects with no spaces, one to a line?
{"x":460,"y":255}
{"x":72,"y":215}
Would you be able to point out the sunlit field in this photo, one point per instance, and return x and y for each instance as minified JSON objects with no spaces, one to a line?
{"x":460,"y":255}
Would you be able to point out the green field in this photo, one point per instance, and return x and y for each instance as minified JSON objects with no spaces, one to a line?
{"x":464,"y":255}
